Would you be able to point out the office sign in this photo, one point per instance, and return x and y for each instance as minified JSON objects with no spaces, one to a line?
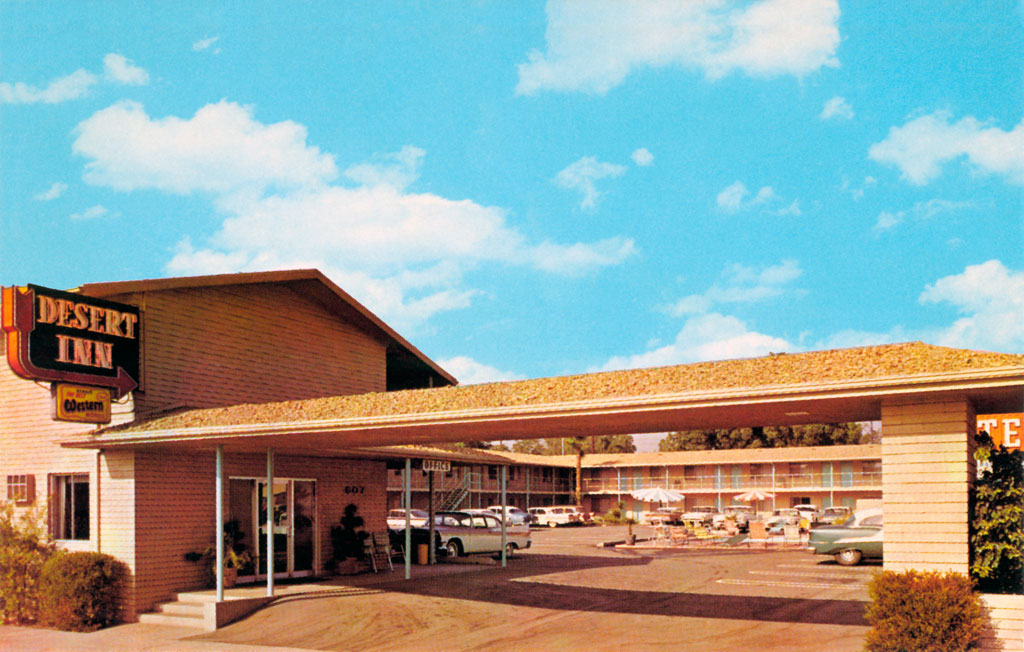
{"x":444,"y":466}
{"x":66,"y":337}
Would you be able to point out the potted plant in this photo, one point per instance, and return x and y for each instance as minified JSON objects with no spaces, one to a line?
{"x":236,"y":557}
{"x":349,"y":541}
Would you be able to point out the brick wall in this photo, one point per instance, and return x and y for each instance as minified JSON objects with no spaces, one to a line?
{"x":175,"y":509}
{"x":927,"y":473}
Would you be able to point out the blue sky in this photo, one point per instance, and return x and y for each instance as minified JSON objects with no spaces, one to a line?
{"x":528,"y":189}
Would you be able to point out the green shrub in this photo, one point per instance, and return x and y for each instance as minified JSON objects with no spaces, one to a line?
{"x":923,"y":612}
{"x":997,"y":532}
{"x":79,"y":590}
{"x":23,"y":551}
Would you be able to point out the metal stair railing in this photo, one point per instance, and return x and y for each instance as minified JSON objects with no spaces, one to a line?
{"x":452,"y":499}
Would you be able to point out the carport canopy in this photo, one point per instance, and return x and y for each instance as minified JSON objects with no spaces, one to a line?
{"x":779,"y":389}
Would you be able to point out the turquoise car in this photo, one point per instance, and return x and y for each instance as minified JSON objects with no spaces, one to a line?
{"x":860,"y":537}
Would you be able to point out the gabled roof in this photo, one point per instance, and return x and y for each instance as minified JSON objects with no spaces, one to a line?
{"x":310,"y":282}
{"x":785,"y":389}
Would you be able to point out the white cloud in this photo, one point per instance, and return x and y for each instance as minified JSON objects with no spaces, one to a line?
{"x":471,"y":372}
{"x":582,"y":176}
{"x":117,"y":69}
{"x":922,"y":210}
{"x":837,"y":107}
{"x":62,"y":89}
{"x":593,"y":46}
{"x":920,"y":147}
{"x":706,"y":337}
{"x":858,"y":193}
{"x":398,"y":169}
{"x":740,"y":284}
{"x":55,"y":191}
{"x":93,"y":213}
{"x":991,"y":299}
{"x":733,"y":199}
{"x":888,"y":220}
{"x":205,"y":44}
{"x":642,"y":157}
{"x":120,"y":69}
{"x":404,"y":254}
{"x":221,"y":149}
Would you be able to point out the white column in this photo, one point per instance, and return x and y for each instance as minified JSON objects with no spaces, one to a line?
{"x":270,"y":522}
{"x":219,"y":494}
{"x":504,"y":514}
{"x":407,"y":480}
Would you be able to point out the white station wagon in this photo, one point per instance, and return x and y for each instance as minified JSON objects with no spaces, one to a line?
{"x":558,"y":515}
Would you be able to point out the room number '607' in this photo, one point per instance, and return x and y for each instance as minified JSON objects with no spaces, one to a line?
{"x":354,"y":489}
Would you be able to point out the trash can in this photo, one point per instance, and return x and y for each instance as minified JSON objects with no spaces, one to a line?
{"x":422,"y":554}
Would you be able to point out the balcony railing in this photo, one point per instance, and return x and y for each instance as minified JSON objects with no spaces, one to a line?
{"x":485,"y":483}
{"x":727,"y":483}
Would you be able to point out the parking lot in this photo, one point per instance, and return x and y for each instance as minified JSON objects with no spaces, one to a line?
{"x":566,"y":593}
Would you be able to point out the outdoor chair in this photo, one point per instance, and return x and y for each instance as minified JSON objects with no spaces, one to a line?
{"x":678,"y":536}
{"x":757,"y":533}
{"x":792,"y":536}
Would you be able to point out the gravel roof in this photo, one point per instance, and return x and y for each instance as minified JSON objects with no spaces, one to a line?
{"x":809,"y":369}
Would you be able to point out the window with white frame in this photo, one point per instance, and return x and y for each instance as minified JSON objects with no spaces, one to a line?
{"x":69,"y":506}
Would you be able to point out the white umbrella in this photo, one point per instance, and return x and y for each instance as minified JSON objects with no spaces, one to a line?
{"x":657,"y":495}
{"x":755,"y":495}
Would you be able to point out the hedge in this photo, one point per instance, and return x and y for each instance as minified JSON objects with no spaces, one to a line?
{"x":923,"y":612}
{"x":79,"y":591}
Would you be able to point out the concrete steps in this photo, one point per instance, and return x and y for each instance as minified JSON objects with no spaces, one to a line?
{"x":186,"y":611}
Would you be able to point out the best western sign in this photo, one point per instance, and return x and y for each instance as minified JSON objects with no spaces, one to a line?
{"x":65,"y":337}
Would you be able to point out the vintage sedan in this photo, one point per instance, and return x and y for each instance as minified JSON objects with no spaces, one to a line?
{"x":835,"y":515}
{"x":396,"y":518}
{"x":858,"y":538}
{"x":463,"y":533}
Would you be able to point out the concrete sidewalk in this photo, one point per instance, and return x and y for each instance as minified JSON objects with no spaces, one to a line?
{"x":142,"y":637}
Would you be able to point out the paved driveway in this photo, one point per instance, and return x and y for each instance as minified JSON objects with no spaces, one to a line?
{"x":567,"y":594}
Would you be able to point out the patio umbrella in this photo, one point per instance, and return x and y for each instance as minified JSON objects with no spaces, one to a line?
{"x":657,"y":495}
{"x":755,"y":495}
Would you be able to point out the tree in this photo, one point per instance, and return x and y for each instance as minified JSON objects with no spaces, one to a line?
{"x":566,"y":445}
{"x":530,"y":446}
{"x":577,"y":446}
{"x":997,"y":532}
{"x":823,"y":434}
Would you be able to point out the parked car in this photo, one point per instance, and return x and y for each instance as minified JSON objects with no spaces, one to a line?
{"x":741,"y":514}
{"x":463,"y":533}
{"x":663,"y":514}
{"x":514,"y":515}
{"x":859,"y":538}
{"x":396,"y":518}
{"x":705,"y":514}
{"x":784,"y":516}
{"x":835,"y":515}
{"x":556,"y":515}
{"x":585,"y":517}
{"x":808,"y":511}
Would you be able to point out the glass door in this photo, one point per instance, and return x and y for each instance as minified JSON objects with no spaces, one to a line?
{"x":303,"y":527}
{"x":294,"y":530}
{"x":282,"y":526}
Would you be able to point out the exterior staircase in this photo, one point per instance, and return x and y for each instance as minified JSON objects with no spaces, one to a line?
{"x":186,"y":611}
{"x":452,"y":498}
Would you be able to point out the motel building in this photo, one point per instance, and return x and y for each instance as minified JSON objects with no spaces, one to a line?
{"x":140,"y":416}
